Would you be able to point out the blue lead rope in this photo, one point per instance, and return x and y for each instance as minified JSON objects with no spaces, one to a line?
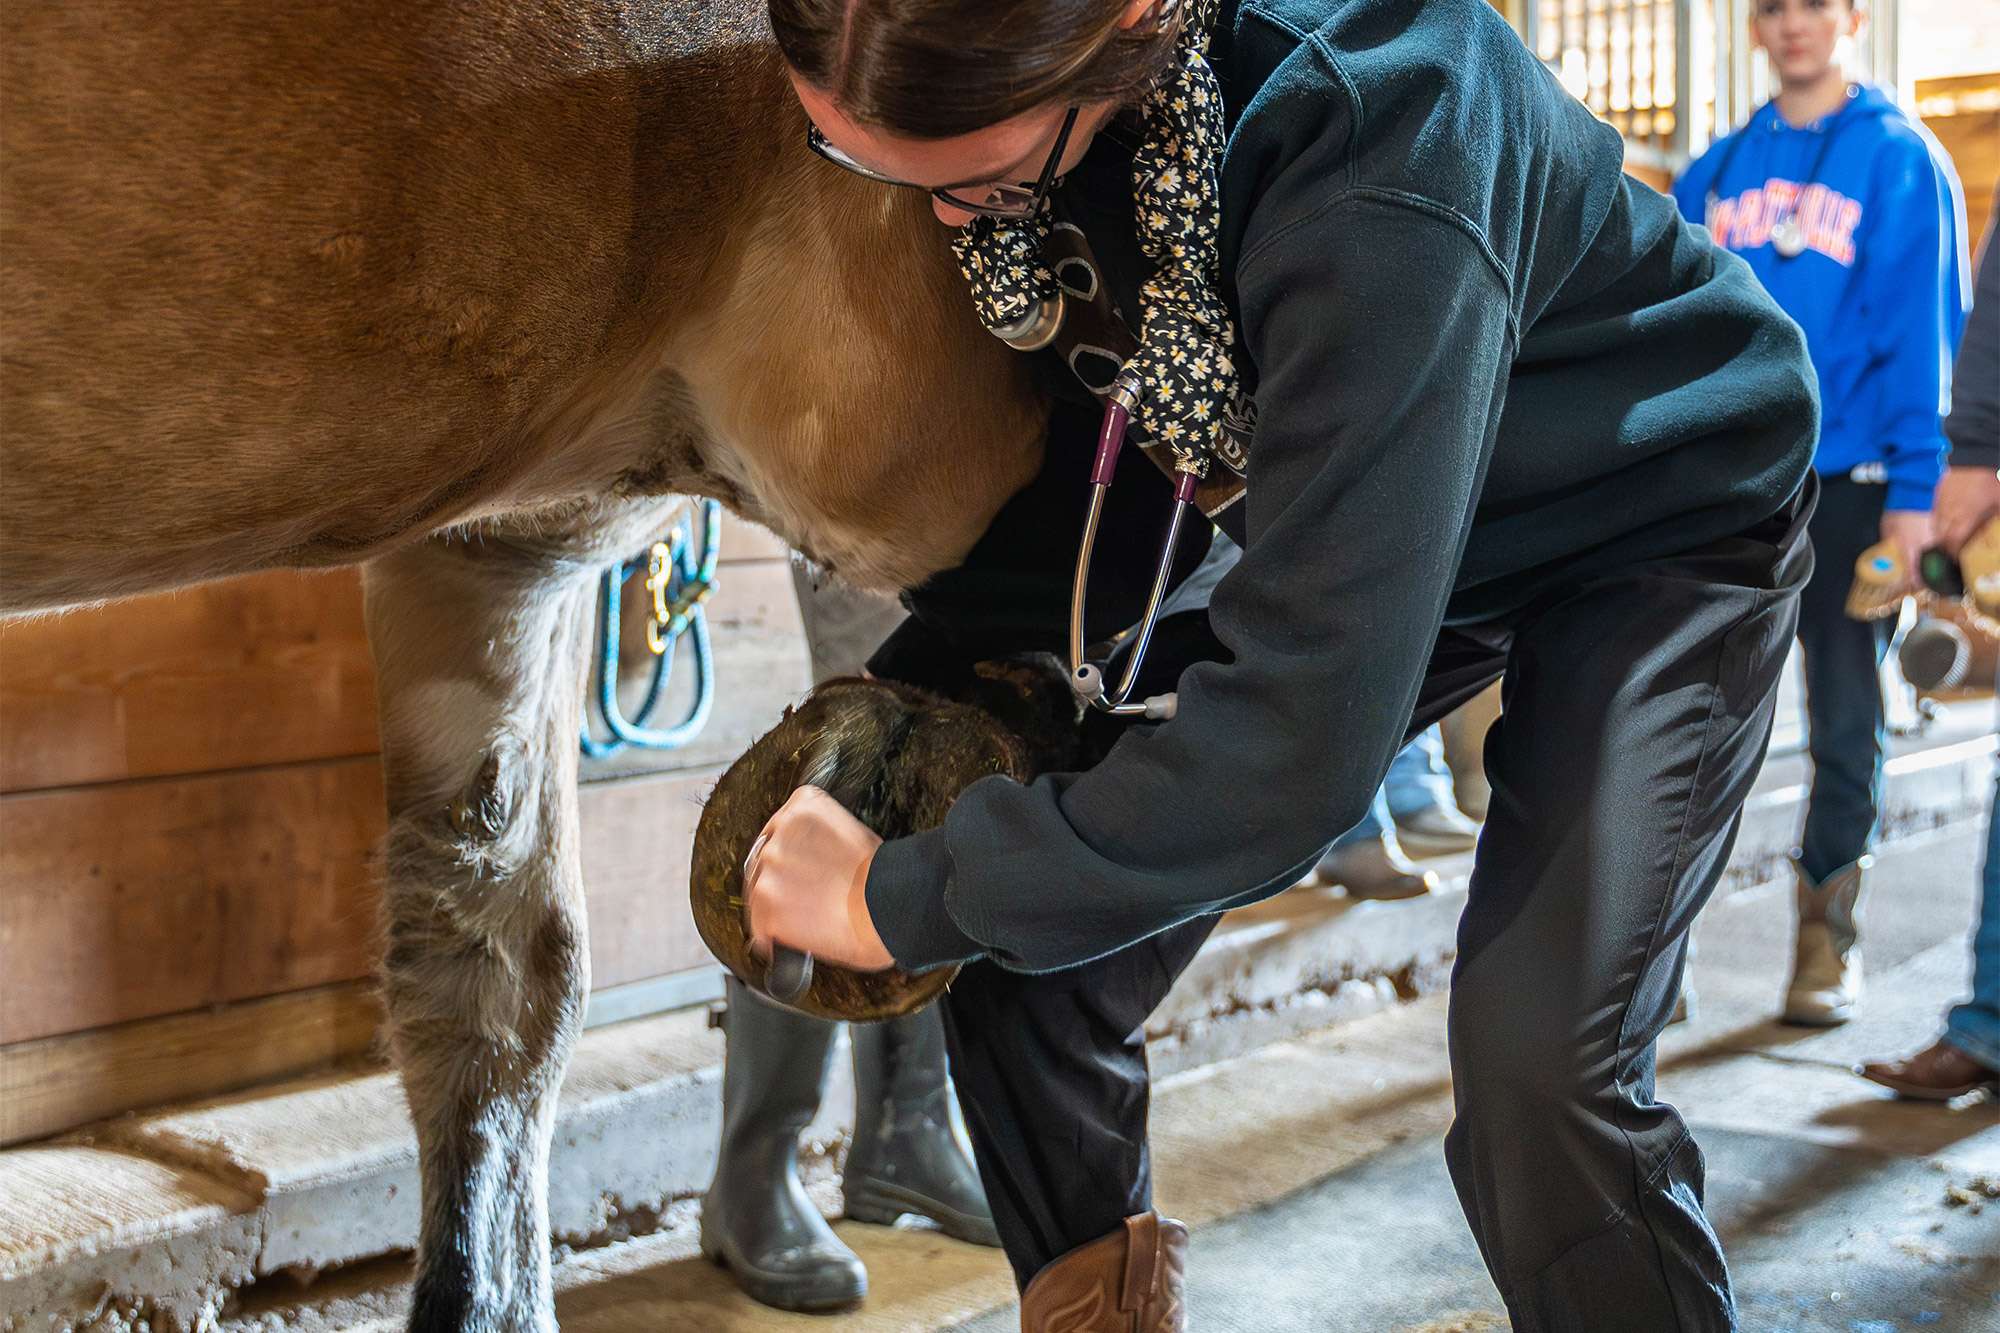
{"x":680,"y":575}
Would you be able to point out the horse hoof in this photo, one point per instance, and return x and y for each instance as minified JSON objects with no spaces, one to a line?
{"x":896,"y":757}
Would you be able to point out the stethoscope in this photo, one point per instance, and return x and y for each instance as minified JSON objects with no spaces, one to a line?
{"x":1035,"y":330}
{"x":1087,"y":678}
{"x":790,"y":972}
{"x":1788,"y":238}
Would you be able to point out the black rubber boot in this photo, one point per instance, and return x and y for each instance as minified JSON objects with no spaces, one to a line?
{"x":906,"y":1158}
{"x":756,"y":1220}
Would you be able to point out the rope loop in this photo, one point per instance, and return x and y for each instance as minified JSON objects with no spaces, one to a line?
{"x":680,"y":578}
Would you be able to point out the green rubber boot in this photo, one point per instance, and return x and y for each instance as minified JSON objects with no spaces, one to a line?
{"x":906,"y":1156}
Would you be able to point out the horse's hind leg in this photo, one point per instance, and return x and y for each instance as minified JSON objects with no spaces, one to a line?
{"x":478,"y":651}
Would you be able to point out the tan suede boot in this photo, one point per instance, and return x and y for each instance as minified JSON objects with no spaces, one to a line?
{"x":1826,"y":970}
{"x":1376,"y":868}
{"x":1127,"y":1282}
{"x":1464,"y":733}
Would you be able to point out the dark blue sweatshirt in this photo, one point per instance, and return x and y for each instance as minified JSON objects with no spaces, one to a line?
{"x":1882,"y":286}
{"x":1487,"y":363}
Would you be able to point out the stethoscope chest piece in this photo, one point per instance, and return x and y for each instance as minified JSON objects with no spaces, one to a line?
{"x":1037,"y":328}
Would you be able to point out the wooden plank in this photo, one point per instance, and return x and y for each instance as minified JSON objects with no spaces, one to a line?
{"x":58,"y":1083}
{"x":637,"y":838}
{"x":274,"y":669}
{"x":131,"y":900}
{"x":261,"y":670}
{"x":1964,"y":113}
{"x":136,"y":900}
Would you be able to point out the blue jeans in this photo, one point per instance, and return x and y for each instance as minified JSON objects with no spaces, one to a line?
{"x":1974,"y":1027}
{"x":1418,"y":778}
{"x":1843,"y":658}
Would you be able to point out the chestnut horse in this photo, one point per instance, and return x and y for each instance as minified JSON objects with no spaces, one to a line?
{"x":469,"y":293}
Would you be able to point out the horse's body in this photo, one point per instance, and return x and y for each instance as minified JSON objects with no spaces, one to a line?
{"x":360,"y":281}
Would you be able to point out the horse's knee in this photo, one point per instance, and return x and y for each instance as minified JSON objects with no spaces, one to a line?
{"x":484,"y":810}
{"x":485,"y":925}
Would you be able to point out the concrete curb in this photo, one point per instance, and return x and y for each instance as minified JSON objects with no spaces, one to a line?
{"x":320,"y":1172}
{"x":100,"y":1239}
{"x":1313,"y":957}
{"x":153,"y":1219}
{"x":1921,"y":789}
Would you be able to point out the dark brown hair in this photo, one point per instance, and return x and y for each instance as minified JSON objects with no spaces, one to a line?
{"x":932,"y":69}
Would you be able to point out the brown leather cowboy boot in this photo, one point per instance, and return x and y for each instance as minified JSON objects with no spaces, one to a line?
{"x":1936,"y":1074}
{"x":1127,"y":1282}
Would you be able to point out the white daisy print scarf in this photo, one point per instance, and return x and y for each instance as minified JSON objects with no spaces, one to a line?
{"x":1183,"y":362}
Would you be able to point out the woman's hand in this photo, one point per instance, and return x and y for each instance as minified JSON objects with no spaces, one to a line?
{"x":1967,"y":499}
{"x":806,"y":882}
{"x":1909,"y":531}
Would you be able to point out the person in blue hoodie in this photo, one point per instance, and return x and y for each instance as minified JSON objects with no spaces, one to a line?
{"x":1851,"y":216}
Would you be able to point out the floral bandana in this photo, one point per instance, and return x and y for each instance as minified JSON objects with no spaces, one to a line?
{"x":1190,"y":398}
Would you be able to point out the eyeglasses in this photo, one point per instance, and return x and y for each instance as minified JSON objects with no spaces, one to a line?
{"x":1001,"y":201}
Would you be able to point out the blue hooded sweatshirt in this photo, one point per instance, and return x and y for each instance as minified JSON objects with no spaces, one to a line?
{"x":1882,"y":285}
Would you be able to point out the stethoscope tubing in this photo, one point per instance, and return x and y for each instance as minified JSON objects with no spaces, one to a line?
{"x":1087,"y":677}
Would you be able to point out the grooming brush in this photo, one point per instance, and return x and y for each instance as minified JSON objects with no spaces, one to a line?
{"x":1879,"y":583}
{"x":1979,"y":567}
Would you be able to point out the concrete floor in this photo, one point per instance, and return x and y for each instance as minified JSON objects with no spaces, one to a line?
{"x":1311,"y":1171}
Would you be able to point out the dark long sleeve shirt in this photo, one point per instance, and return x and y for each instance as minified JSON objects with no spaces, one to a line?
{"x":1974,"y":424}
{"x":1484,"y":360}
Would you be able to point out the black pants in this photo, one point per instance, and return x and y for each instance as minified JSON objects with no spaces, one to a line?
{"x":1637,"y":708}
{"x":1843,"y":659}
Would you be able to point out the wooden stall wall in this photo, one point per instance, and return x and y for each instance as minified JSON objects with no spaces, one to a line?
{"x":1964,"y":114}
{"x":190,"y":805}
